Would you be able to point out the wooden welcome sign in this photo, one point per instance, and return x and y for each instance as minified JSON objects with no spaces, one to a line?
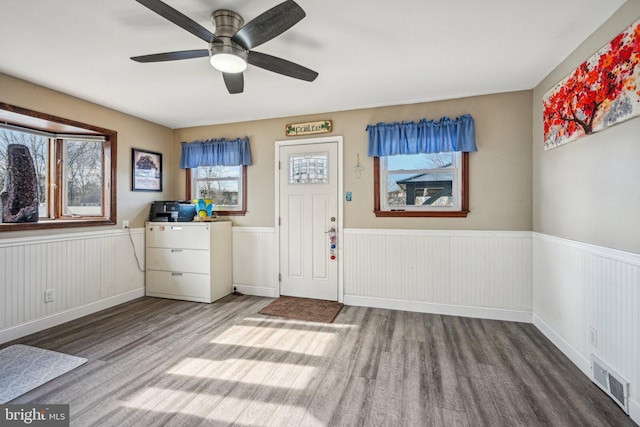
{"x":308,"y":128}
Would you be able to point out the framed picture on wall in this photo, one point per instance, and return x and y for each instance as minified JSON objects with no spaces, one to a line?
{"x":146,"y":170}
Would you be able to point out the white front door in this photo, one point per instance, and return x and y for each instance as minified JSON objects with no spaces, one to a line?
{"x":308,"y":209}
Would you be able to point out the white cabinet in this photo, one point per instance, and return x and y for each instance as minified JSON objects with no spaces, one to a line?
{"x":188,"y":260}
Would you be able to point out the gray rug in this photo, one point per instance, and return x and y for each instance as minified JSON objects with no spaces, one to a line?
{"x":23,"y":368}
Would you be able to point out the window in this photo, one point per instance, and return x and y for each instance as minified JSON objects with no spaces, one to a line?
{"x":74,"y":163}
{"x":421,"y":185}
{"x":217,"y":170}
{"x":225,"y":185}
{"x":422,"y":168}
{"x":308,"y":169}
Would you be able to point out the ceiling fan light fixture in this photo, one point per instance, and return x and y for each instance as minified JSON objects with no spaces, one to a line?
{"x":228,"y":59}
{"x":231,"y":43}
{"x":228,"y":63}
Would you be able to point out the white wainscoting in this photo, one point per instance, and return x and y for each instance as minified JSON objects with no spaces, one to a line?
{"x":254,"y":269}
{"x":484,"y":274}
{"x":89,"y":271}
{"x":577,"y":286}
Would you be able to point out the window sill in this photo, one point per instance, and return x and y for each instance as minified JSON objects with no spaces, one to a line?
{"x":51,"y":224}
{"x":230,"y":213}
{"x":423,"y":214}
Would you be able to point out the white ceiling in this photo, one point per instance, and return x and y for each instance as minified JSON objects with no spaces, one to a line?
{"x":367,"y":52}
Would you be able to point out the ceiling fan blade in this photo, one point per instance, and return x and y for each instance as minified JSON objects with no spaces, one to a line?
{"x":281,"y":66}
{"x":234,"y":82}
{"x":270,"y":24}
{"x":172,"y":56}
{"x":179,"y":19}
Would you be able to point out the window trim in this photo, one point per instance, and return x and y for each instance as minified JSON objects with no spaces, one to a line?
{"x":464,"y":190}
{"x":241,"y":212}
{"x":37,"y":121}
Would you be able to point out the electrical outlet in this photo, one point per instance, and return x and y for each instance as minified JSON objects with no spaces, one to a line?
{"x":49,"y":295}
{"x":593,"y":336}
{"x":125,"y":224}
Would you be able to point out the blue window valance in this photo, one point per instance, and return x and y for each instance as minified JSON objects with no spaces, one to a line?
{"x":215,"y":152}
{"x":425,"y":136}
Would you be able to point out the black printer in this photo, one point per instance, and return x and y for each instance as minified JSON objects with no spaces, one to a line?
{"x":172,"y":211}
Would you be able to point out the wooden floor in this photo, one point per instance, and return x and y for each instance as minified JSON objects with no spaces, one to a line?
{"x":156,"y":362}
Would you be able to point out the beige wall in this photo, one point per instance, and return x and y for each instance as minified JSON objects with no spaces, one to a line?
{"x":588,"y":190}
{"x":500,"y":172}
{"x":132,"y":132}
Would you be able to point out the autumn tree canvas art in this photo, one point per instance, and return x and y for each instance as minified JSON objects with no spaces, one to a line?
{"x":602,"y":91}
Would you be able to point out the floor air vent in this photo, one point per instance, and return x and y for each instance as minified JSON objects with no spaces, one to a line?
{"x":615,"y":386}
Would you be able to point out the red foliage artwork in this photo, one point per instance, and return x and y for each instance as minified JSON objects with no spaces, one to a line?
{"x":601,"y":92}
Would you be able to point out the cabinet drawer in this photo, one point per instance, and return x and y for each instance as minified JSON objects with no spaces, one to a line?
{"x":178,"y":236}
{"x":179,"y":285}
{"x":180,"y":260}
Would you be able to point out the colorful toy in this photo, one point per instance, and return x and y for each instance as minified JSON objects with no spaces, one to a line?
{"x":204,"y":207}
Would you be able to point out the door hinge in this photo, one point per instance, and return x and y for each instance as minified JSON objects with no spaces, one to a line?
{"x":279,"y":165}
{"x":279,"y":277}
{"x":279,"y":221}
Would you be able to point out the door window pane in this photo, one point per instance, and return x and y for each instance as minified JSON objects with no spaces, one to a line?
{"x":308,"y":169}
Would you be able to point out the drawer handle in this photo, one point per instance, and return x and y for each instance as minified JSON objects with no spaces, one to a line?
{"x":176,"y":274}
{"x":176,"y":250}
{"x":176,"y":228}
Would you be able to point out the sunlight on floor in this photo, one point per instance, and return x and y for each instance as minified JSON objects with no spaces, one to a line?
{"x":290,"y":323}
{"x":295,"y":330}
{"x":243,"y":412}
{"x":228,"y":409}
{"x":227,"y":370}
{"x":253,"y":373}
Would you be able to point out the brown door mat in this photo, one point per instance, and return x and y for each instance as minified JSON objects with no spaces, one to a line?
{"x":312,"y":310}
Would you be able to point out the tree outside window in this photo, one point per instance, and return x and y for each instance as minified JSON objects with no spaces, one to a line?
{"x":39,"y":149}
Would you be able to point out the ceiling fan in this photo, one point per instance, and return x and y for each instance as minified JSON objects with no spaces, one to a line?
{"x":231,"y":43}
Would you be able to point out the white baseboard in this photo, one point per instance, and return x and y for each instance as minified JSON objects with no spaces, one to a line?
{"x":446,"y":309}
{"x":574,"y":355}
{"x":46,"y":322}
{"x":578,"y":359}
{"x":257,"y":291}
{"x":634,"y":411}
